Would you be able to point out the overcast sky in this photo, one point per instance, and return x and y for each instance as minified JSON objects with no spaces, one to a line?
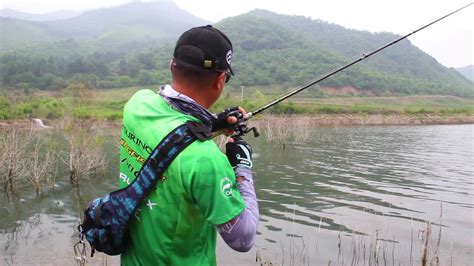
{"x":450,"y":41}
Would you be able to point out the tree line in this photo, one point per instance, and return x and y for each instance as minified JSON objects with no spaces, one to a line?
{"x":265,"y":54}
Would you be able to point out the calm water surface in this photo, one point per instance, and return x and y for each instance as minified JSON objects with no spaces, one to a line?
{"x":348,"y":196}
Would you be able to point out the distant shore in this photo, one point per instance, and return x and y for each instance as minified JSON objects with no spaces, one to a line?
{"x":379,"y":119}
{"x":310,"y":119}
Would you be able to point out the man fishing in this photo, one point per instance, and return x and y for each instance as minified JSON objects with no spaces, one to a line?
{"x":170,"y":207}
{"x":203,"y":190}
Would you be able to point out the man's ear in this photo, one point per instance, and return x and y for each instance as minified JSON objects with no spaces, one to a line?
{"x":220,"y":81}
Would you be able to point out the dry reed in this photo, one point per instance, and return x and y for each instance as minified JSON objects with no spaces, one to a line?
{"x":285,"y":129}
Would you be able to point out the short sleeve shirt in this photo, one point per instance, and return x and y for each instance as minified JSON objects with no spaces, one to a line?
{"x":175,"y":224}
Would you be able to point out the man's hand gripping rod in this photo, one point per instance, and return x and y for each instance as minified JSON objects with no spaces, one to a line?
{"x":241,"y":127}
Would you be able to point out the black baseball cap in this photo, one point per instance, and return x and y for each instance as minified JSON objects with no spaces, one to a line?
{"x":204,"y":48}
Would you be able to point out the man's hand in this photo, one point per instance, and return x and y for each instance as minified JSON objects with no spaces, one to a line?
{"x":239,"y":153}
{"x":227,"y":119}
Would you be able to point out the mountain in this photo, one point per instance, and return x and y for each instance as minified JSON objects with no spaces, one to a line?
{"x":298,"y":49}
{"x":467,"y":71}
{"x":56,"y":15}
{"x":132,"y":45}
{"x":403,"y":57}
{"x":129,"y":25}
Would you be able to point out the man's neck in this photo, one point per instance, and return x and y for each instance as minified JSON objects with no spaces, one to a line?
{"x":169,"y":91}
{"x":198,"y":96}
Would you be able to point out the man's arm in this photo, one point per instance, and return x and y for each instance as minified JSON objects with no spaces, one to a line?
{"x":239,"y":233}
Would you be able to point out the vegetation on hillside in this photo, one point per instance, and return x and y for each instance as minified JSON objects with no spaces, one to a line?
{"x":107,"y":28}
{"x":80,"y":101}
{"x":111,"y":48}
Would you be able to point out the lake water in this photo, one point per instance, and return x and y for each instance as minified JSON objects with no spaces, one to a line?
{"x":347,"y":196}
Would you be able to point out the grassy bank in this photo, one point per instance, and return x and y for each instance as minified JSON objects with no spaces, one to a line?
{"x":80,"y":102}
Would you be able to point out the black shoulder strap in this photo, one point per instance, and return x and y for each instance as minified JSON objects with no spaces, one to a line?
{"x":199,"y":130}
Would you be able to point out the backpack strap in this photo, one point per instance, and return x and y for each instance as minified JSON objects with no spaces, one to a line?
{"x":200,"y":131}
{"x":157,"y":163}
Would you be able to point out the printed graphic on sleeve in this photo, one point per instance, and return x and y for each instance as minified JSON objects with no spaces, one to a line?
{"x":226,"y":187}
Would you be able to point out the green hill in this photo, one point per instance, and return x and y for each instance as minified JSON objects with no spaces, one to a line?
{"x":56,"y":15}
{"x":106,"y":28}
{"x":132,"y":45}
{"x":401,"y":58}
{"x":299,"y":49}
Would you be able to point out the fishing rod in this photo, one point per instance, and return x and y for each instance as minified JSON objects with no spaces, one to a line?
{"x":241,"y":128}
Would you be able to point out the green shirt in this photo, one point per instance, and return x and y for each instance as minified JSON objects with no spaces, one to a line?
{"x":175,"y":224}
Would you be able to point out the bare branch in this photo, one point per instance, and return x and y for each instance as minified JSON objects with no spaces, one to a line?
{"x":85,"y":154}
{"x":15,"y":147}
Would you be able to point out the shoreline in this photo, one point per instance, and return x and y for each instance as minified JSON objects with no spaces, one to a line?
{"x":306,"y":119}
{"x":374,"y":119}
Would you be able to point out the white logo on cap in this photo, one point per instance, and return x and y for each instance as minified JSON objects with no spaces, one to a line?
{"x":228,"y":57}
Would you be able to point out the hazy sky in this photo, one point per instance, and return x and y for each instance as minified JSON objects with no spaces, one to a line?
{"x":450,"y":41}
